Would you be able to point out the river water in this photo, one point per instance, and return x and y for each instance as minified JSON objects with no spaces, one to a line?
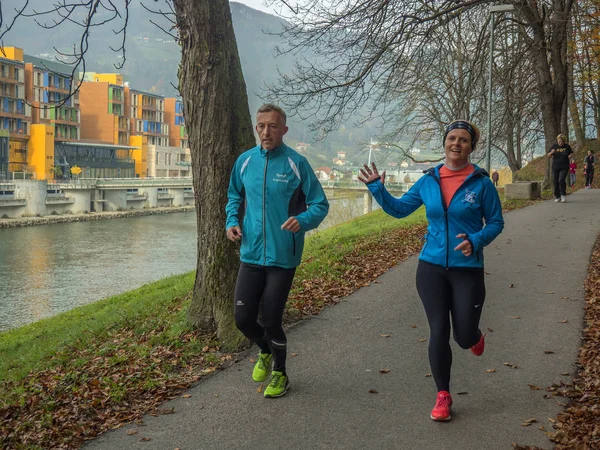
{"x":45,"y":270}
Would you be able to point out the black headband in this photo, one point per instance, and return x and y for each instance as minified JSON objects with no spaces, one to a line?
{"x":462,"y":125}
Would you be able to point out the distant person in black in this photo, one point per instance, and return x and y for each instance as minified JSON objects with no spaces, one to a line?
{"x":495,"y":177}
{"x":588,"y":169}
{"x":560,"y":153}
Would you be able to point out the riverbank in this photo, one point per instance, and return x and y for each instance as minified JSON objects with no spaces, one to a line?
{"x":65,"y":218}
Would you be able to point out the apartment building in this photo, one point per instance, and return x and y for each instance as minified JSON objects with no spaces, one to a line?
{"x":15,"y":114}
{"x":147,"y":113}
{"x":169,"y":162}
{"x":52,"y":93}
{"x":174,"y":117}
{"x":103,"y":114}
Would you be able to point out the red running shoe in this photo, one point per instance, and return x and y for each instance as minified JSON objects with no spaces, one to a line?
{"x":441,"y":410}
{"x":478,"y":348}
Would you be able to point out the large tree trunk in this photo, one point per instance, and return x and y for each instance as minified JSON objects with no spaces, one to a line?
{"x":219,"y":128}
{"x":572,"y":100}
{"x":550,"y":54}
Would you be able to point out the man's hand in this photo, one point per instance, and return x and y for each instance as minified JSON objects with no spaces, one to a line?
{"x":371,"y":174}
{"x":465,"y":246}
{"x":292,"y":225}
{"x":234,"y":234}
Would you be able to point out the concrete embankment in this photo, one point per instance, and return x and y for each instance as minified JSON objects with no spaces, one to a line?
{"x":31,"y":221}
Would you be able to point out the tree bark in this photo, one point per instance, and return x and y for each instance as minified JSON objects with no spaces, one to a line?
{"x":550,"y":54}
{"x":219,"y":128}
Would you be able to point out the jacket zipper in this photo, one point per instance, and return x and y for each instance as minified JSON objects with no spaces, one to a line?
{"x":446,"y":213}
{"x":264,"y":210}
{"x":445,"y":217}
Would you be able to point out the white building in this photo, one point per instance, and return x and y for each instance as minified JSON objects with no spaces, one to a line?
{"x":169,"y":162}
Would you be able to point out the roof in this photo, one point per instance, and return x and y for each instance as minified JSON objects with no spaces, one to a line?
{"x":52,"y":66}
{"x":95,"y":144}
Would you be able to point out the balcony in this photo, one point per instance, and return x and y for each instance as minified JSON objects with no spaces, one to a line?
{"x":6,"y":78}
{"x":14,"y":112}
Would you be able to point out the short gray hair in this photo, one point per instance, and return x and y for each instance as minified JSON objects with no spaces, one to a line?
{"x":268,"y":107}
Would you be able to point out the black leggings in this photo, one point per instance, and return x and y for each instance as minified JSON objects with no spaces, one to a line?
{"x":589,"y":177}
{"x":560,"y":181}
{"x":457,"y":293}
{"x":272,"y":285}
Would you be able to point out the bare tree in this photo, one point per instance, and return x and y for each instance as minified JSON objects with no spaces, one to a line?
{"x":365,"y":47}
{"x":216,"y":114}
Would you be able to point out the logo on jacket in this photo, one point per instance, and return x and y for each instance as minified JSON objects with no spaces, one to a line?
{"x":470,"y":197}
{"x":281,"y":178}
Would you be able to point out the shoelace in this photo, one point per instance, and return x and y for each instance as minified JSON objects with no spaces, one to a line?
{"x":276,"y":379}
{"x":262,"y":362}
{"x":443,"y":401}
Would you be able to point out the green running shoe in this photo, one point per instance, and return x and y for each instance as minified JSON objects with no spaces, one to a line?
{"x":278,"y":385}
{"x":262,"y":368}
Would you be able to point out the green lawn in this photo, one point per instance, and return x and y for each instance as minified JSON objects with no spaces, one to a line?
{"x":31,"y":347}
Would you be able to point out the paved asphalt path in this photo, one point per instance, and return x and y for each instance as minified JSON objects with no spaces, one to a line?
{"x":543,"y":254}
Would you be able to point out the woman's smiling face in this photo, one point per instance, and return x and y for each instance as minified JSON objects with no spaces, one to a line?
{"x":457,"y":147}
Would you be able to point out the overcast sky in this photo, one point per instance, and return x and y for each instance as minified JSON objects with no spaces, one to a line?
{"x":256,"y":4}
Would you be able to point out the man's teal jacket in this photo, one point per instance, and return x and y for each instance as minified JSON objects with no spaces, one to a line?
{"x":266,"y":188}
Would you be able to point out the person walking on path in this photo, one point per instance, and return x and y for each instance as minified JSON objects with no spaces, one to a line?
{"x":274,"y":198}
{"x":588,"y":169}
{"x":560,"y":154}
{"x":458,"y":197}
{"x":572,"y":172}
{"x":495,"y":177}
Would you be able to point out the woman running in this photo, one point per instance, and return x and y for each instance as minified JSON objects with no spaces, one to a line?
{"x":459,"y":198}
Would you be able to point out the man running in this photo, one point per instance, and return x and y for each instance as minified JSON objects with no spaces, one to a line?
{"x":274,"y":199}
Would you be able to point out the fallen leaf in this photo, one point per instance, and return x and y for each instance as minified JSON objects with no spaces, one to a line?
{"x":385,"y":335}
{"x":294,"y":354}
{"x":516,"y":317}
{"x":462,"y":393}
{"x":511,"y":285}
{"x":533,"y":387}
{"x":489,"y":370}
{"x":551,"y":420}
{"x":373,"y":391}
{"x":511,"y":365}
{"x":186,"y":395}
{"x":541,"y":427}
{"x":533,"y":420}
{"x":565,"y":374}
{"x":427,"y":375}
{"x":260,"y":388}
{"x":490,"y":330}
{"x":540,"y":265}
{"x":565,"y":298}
{"x":132,"y":432}
{"x":422,"y":340}
{"x":564,"y":321}
{"x":413,"y":326}
{"x":145,"y":439}
{"x":549,"y":292}
{"x":384,"y":370}
{"x":208,"y":370}
{"x":548,"y":352}
{"x":252,"y":360}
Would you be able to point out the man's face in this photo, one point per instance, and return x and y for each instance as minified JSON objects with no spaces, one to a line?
{"x":270,"y":128}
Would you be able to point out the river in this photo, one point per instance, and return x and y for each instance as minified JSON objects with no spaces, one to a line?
{"x":48,"y":269}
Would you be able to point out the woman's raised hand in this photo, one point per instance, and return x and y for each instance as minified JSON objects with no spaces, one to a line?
{"x":370,"y":174}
